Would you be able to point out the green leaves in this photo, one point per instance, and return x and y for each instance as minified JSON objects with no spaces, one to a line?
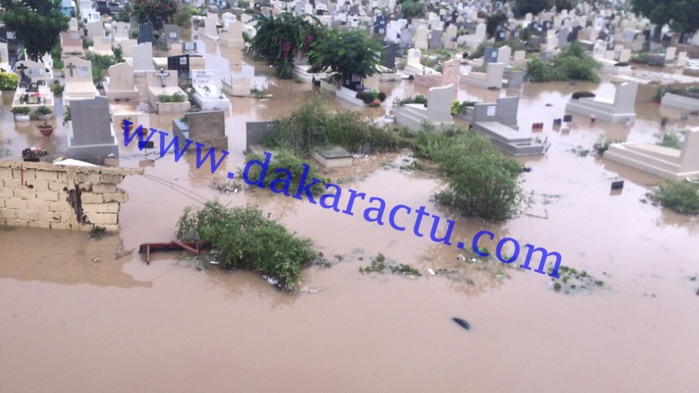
{"x":345,"y":52}
{"x":36,"y":23}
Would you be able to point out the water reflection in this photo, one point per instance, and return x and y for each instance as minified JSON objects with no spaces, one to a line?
{"x":64,"y":257}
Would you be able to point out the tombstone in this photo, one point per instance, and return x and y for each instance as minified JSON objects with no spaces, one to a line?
{"x":145,"y":33}
{"x":624,"y":55}
{"x":172,"y":33}
{"x":210,"y":29}
{"x":406,"y":38}
{"x":681,"y":59}
{"x":127,"y":47}
{"x":180,"y":64}
{"x":95,"y":29}
{"x":563,"y":37}
{"x":121,"y":82}
{"x":388,"y":56}
{"x":73,"y":24}
{"x":102,"y":45}
{"x":436,"y":40}
{"x":490,"y":55}
{"x":71,"y":42}
{"x":567,"y":118}
{"x":233,"y":38}
{"x":609,"y":55}
{"x":449,"y":39}
{"x":189,"y":47}
{"x":670,"y":54}
{"x":500,"y":35}
{"x":143,"y":57}
{"x":421,"y":38}
{"x":91,"y":134}
{"x":503,"y":55}
{"x":4,"y":53}
{"x":519,"y":56}
{"x":208,"y":128}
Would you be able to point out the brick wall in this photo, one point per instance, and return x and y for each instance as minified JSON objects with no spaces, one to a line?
{"x":61,"y":197}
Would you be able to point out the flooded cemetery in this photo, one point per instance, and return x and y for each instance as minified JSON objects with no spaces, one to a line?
{"x":505,"y":197}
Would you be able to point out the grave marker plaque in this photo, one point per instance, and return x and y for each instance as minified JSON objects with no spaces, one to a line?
{"x":180,"y":64}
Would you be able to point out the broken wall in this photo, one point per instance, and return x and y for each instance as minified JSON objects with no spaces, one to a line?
{"x":61,"y":197}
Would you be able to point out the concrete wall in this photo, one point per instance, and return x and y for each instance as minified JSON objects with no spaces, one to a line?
{"x":61,"y":197}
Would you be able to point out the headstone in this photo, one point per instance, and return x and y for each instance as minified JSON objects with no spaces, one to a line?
{"x":670,"y":53}
{"x":563,"y":37}
{"x":143,"y":57}
{"x":95,"y":29}
{"x":121,"y":82}
{"x":421,"y":38}
{"x":208,"y":128}
{"x":180,"y":64}
{"x":625,"y":55}
{"x":210,"y":23}
{"x":436,"y":40}
{"x":681,"y":59}
{"x":103,"y":45}
{"x":91,"y":134}
{"x":189,"y":46}
{"x":145,"y":33}
{"x":504,"y":54}
{"x":388,"y":56}
{"x":172,"y":33}
{"x":71,"y":42}
{"x":127,"y":47}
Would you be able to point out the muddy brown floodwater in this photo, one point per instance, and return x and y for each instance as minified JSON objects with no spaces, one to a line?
{"x":76,"y":318}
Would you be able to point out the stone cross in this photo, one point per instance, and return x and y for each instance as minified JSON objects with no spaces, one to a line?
{"x":71,"y":67}
{"x":162,"y":74}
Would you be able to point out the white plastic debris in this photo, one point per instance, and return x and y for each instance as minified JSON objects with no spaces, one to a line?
{"x":431,"y":272}
{"x":215,"y":262}
{"x":460,"y":258}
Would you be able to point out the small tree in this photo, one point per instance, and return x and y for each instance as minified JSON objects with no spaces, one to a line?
{"x":413,"y":9}
{"x":523,"y":7}
{"x":36,"y":24}
{"x":493,"y":21}
{"x":155,"y":11}
{"x":279,"y":39}
{"x":344,"y":53}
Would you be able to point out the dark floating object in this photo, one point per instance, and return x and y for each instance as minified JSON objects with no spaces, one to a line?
{"x":617,"y":185}
{"x":583,"y":94}
{"x":462,"y":323}
{"x":193,"y":247}
{"x":526,"y":169}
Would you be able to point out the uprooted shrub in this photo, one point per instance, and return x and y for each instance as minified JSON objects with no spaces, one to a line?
{"x":246,"y":239}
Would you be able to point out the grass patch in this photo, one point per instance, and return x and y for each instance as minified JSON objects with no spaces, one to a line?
{"x":681,"y":197}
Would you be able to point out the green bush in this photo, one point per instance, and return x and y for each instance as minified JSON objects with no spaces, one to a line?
{"x":573,"y":63}
{"x":8,"y":81}
{"x":21,"y":110}
{"x":313,"y":124}
{"x":381,"y":96}
{"x":43,"y":110}
{"x":287,"y":160}
{"x":672,"y":140}
{"x":416,"y":99}
{"x":248,"y":240}
{"x":680,"y":197}
{"x":176,"y":97}
{"x":482,"y":182}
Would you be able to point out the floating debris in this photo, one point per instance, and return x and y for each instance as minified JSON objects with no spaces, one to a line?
{"x":432,"y":273}
{"x":310,"y":290}
{"x":460,"y":257}
{"x":572,"y":281}
{"x":462,"y":323}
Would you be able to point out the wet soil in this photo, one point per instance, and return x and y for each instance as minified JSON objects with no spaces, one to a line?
{"x":82,"y":315}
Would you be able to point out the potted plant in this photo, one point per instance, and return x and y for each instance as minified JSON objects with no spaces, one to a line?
{"x":44,"y":113}
{"x":121,"y":123}
{"x":46,"y":129}
{"x":21,"y":113}
{"x":67,"y":117}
